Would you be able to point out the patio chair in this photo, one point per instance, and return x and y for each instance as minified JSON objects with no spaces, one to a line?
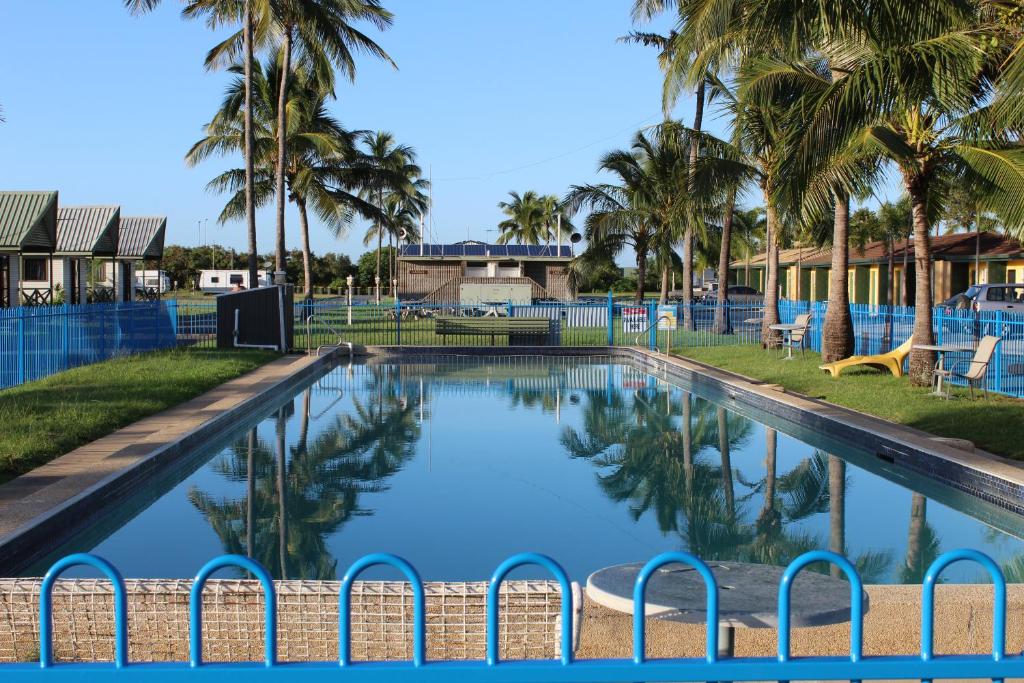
{"x":975,"y":370}
{"x":891,"y":361}
{"x":797,"y":338}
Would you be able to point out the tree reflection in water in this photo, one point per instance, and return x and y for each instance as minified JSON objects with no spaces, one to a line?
{"x":295,"y":501}
{"x":681,"y":471}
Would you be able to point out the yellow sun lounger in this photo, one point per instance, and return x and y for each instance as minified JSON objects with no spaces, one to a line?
{"x":892,"y":361}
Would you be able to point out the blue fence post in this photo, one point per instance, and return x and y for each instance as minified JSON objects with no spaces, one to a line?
{"x":997,"y":361}
{"x":66,"y":336}
{"x":398,"y":322}
{"x":172,"y":316}
{"x":611,"y":319}
{"x":21,"y":345}
{"x":938,"y":325}
{"x":652,"y":332}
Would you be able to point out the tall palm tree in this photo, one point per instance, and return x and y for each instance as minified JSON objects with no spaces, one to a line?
{"x":324,"y":171}
{"x":922,"y":97}
{"x":400,"y":185}
{"x":220,"y":12}
{"x":321,"y":31}
{"x":646,"y":208}
{"x":526,"y":222}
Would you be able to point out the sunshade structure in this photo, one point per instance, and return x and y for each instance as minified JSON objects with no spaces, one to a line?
{"x":28,"y":225}
{"x":139,"y":238}
{"x":83,"y":232}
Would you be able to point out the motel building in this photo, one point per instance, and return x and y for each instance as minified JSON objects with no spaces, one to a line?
{"x":958,"y":261}
{"x":471,"y":272}
{"x":70,"y":254}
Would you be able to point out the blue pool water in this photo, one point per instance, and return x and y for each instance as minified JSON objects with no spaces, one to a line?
{"x":456,"y":463}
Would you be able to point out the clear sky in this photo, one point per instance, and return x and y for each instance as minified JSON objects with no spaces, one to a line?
{"x":494,"y":96}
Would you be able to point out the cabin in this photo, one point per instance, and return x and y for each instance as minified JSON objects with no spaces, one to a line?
{"x":84,"y":233}
{"x":471,"y":271}
{"x":140,"y":239}
{"x":28,"y":239}
{"x":958,"y":261}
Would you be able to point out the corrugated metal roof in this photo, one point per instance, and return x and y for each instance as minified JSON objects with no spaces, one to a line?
{"x":28,"y":220}
{"x":141,"y":237}
{"x":88,"y":230}
{"x":481,"y":250}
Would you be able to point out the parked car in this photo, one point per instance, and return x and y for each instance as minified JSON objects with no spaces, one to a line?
{"x":1004,"y":296}
{"x":1007,"y":297}
{"x":737,"y":294}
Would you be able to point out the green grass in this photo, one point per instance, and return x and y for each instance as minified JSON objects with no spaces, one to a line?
{"x":47,"y":418}
{"x":996,"y":424}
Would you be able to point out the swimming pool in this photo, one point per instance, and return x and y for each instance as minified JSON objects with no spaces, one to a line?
{"x":456,"y":463}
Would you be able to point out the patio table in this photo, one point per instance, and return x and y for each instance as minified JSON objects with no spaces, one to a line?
{"x":942,"y":350}
{"x":787,"y":329}
{"x":748,"y":596}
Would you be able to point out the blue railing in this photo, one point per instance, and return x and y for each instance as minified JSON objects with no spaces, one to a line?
{"x":37,"y":341}
{"x":926,"y":665}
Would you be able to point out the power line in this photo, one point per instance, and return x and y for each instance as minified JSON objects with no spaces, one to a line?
{"x":488,"y":176}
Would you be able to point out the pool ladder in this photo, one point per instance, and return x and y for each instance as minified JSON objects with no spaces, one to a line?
{"x":646,"y":330}
{"x":341,"y":342}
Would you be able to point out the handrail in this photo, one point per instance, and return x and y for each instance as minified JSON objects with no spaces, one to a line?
{"x":647,"y":329}
{"x":341,"y":342}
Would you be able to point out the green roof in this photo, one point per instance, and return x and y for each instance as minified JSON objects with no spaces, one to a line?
{"x":141,"y":237}
{"x":87,"y":230}
{"x":28,"y":221}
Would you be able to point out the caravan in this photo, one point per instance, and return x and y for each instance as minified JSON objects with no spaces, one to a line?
{"x":152,"y":281}
{"x":220,"y":281}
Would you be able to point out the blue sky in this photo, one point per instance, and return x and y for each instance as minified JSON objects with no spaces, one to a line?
{"x":103,"y":106}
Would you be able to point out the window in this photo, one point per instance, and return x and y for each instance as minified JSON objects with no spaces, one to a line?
{"x":235,"y":279}
{"x":34,"y":269}
{"x":214,"y":279}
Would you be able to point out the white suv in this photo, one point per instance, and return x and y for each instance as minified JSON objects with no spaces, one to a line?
{"x":1008,"y":297}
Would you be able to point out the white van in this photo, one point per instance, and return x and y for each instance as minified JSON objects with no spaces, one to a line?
{"x":155,"y":281}
{"x":221,"y":281}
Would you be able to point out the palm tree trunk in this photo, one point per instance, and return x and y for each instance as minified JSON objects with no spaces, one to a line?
{"x":698,"y":122}
{"x":307,"y":256}
{"x":770,"y":338}
{"x":282,"y":145}
{"x":721,"y":314}
{"x":837,"y":509}
{"x":250,"y":203}
{"x":915,"y":534}
{"x":723,"y":450}
{"x":250,"y":493}
{"x":837,"y":331}
{"x":663,"y":296}
{"x":771,"y":440}
{"x":391,"y":254}
{"x":282,"y":515}
{"x":890,"y":285}
{"x":380,"y":240}
{"x":641,"y":273}
{"x":921,"y":362}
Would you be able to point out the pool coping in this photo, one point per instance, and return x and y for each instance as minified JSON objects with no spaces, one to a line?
{"x":985,"y":475}
{"x":44,"y":507}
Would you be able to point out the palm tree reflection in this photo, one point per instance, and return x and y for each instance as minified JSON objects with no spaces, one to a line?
{"x":296,"y":500}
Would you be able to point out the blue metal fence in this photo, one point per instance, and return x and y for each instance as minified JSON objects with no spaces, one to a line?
{"x":997,"y":666}
{"x":40,"y":340}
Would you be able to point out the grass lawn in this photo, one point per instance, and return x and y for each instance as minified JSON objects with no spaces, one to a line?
{"x":996,"y":424}
{"x":47,"y":418}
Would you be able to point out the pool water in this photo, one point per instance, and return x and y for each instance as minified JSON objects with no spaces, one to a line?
{"x":456,"y":463}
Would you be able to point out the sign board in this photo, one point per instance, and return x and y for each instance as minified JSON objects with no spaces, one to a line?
{"x":667,"y":317}
{"x":634,"y":319}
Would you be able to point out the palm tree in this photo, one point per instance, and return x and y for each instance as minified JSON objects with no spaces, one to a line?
{"x":647,"y":207}
{"x":526,"y":222}
{"x":324,"y":170}
{"x":922,"y":98}
{"x":322,"y":32}
{"x":399,"y":184}
{"x":220,"y":12}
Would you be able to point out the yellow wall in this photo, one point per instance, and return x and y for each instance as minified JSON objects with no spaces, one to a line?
{"x":983,"y":274}
{"x":873,"y":287}
{"x":1015,"y":271}
{"x":851,"y":281}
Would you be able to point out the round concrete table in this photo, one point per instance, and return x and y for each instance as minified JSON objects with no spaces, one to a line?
{"x":748,"y":596}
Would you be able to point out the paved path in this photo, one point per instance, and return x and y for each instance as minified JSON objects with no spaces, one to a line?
{"x":43,"y":489}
